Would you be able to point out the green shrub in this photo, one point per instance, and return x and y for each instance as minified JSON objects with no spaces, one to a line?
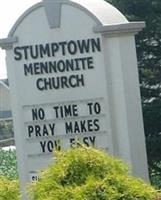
{"x":155,"y":175}
{"x":8,"y":164}
{"x":9,"y":189}
{"x":89,"y":174}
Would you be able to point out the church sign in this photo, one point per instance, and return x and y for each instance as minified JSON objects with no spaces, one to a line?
{"x":73,"y":76}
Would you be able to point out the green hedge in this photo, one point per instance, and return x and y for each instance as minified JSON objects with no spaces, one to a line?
{"x":8,"y":164}
{"x":9,"y":189}
{"x":89,"y":174}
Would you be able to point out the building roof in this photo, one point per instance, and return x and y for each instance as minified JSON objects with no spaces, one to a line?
{"x":5,"y":83}
{"x":4,"y":114}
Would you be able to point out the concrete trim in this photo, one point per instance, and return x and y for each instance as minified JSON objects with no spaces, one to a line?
{"x":131,"y":27}
{"x":7,"y":43}
{"x":53,"y":12}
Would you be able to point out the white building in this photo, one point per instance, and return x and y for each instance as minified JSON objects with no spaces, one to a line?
{"x":5,"y":105}
{"x":6,"y":123}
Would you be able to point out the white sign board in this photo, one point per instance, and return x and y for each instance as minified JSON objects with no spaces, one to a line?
{"x":67,"y":82}
{"x":60,"y":87}
{"x":62,"y":93}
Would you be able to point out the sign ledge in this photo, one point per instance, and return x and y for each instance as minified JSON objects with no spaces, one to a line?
{"x":6,"y":43}
{"x":130,"y":27}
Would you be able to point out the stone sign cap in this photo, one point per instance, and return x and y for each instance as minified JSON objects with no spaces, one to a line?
{"x":101,"y":11}
{"x":109,"y":20}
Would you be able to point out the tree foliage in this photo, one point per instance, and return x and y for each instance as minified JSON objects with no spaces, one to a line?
{"x":89,"y":174}
{"x":149,"y":61}
{"x":8,"y":164}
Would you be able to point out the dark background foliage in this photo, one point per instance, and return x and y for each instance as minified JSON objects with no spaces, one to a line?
{"x":148,"y":43}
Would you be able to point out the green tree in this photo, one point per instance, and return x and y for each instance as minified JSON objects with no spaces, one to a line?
{"x":149,"y":61}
